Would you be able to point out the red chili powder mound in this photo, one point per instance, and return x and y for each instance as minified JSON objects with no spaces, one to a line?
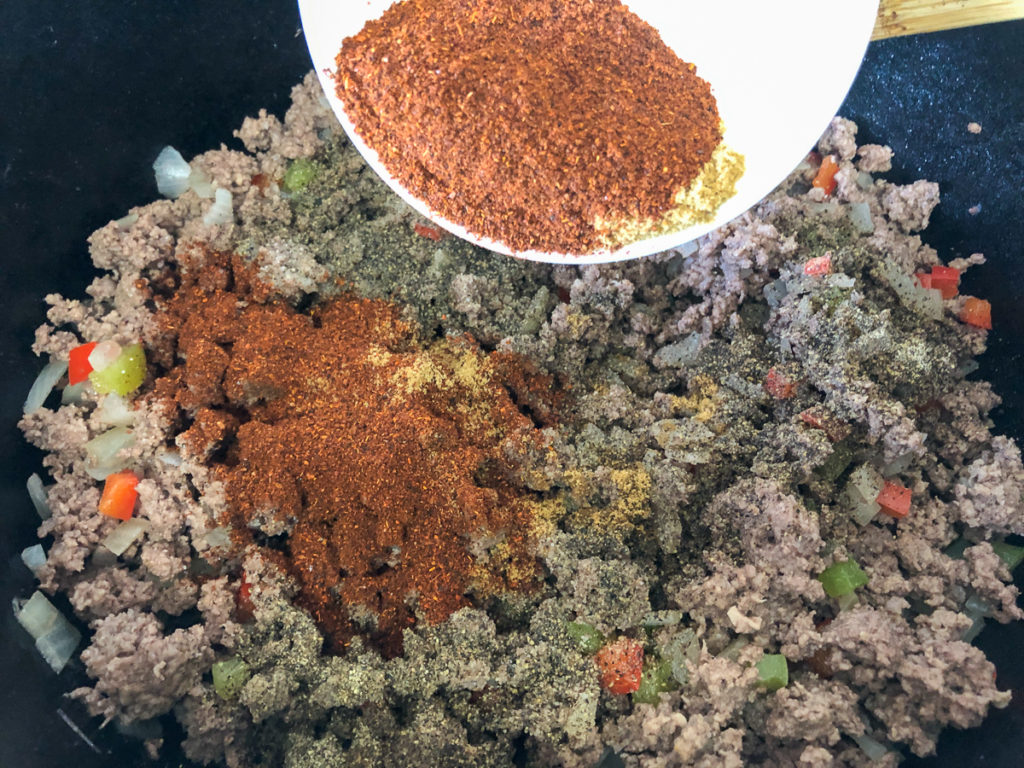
{"x":525,"y":121}
{"x":361,"y":461}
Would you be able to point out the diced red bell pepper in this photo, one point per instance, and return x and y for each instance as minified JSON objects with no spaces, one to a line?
{"x":244,"y":609}
{"x":819,"y":265}
{"x":779,"y":385}
{"x":826,"y":177}
{"x":946,"y":279}
{"x":894,"y":500}
{"x":78,"y":363}
{"x":977,"y":312}
{"x":621,"y":665}
{"x":431,"y":233}
{"x":119,"y":495}
{"x":924,"y":279}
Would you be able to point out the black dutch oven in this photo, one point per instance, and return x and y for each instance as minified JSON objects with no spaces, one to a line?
{"x":91,"y":90}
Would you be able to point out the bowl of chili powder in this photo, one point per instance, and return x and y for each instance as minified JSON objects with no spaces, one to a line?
{"x":584,"y":132}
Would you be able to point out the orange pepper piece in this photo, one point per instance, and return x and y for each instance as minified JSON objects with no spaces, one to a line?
{"x":826,"y":176}
{"x":119,"y":495}
{"x":977,"y":312}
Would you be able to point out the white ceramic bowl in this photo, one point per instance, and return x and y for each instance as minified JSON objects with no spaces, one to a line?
{"x":779,"y":71}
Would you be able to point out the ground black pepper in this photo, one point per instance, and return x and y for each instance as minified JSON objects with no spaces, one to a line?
{"x":526,"y":122}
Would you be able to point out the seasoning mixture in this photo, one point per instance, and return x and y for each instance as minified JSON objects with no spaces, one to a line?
{"x":366,"y":493}
{"x":373,"y":459}
{"x":548,"y":125}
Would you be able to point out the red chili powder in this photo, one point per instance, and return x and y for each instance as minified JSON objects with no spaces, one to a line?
{"x":361,"y":461}
{"x":525,"y":121}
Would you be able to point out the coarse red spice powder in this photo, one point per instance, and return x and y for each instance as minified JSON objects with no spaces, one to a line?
{"x":526,"y":121}
{"x":361,"y":461}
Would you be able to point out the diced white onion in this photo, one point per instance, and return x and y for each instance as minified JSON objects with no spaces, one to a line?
{"x":865,"y":181}
{"x":72,"y":394}
{"x":847,"y":601}
{"x":37,"y":614}
{"x":170,"y":458}
{"x":171,"y":172}
{"x":862,"y":490}
{"x":975,"y":607}
{"x":201,"y":183}
{"x":873,"y":750}
{"x":775,"y":292}
{"x":102,"y":452}
{"x":44,"y":384}
{"x":37,"y":493}
{"x":899,"y":465}
{"x":33,"y":557}
{"x":974,"y":630}
{"x":115,"y":411}
{"x":860,"y":216}
{"x":829,"y":207}
{"x":863,"y":512}
{"x":103,"y":354}
{"x":925,"y":301}
{"x":122,"y":537}
{"x":56,"y":638}
{"x":126,"y":222}
{"x":679,"y":353}
{"x":688,"y":249}
{"x":220,"y":212}
{"x":968,"y":368}
{"x":58,"y":645}
{"x":218,"y":537}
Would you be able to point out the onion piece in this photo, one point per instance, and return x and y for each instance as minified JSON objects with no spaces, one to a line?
{"x":37,"y":493}
{"x":201,"y":183}
{"x":115,"y":411}
{"x":862,"y":489}
{"x":218,"y":537}
{"x":860,"y":216}
{"x":37,"y":614}
{"x":56,"y":638}
{"x":33,"y":557}
{"x":974,"y":630}
{"x":220,"y":212}
{"x":104,"y":354}
{"x":925,"y":301}
{"x":170,"y":458}
{"x":678,"y":354}
{"x":171,"y":172}
{"x":975,"y":607}
{"x":899,"y":465}
{"x":872,"y":749}
{"x":44,"y":384}
{"x":102,"y":452}
{"x":124,"y":535}
{"x":127,"y":221}
{"x":72,"y":394}
{"x":58,"y":645}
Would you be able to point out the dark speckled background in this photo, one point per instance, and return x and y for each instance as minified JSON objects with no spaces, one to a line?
{"x":91,"y":90}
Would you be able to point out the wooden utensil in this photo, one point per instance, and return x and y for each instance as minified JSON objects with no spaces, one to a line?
{"x":910,"y":17}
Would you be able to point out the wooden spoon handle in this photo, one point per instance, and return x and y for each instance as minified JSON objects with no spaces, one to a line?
{"x":909,"y":17}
